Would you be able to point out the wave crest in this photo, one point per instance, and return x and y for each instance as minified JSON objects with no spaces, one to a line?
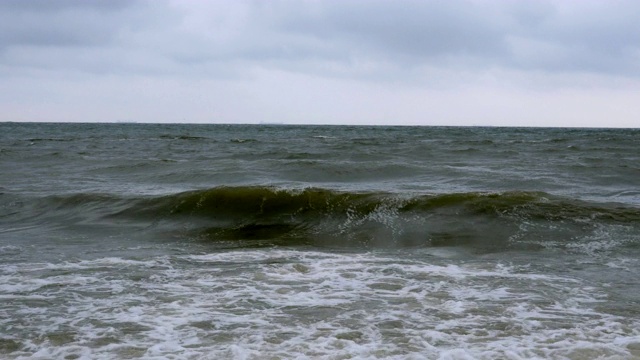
{"x":266,"y":216}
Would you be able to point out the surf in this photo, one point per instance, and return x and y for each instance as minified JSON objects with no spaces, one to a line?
{"x":257,"y":216}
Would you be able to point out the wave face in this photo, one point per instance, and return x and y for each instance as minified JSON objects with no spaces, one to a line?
{"x":250,"y":216}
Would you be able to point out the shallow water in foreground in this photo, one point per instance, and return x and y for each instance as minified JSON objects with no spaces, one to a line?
{"x":252,"y":242}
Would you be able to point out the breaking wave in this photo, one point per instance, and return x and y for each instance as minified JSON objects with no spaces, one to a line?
{"x":266,"y":216}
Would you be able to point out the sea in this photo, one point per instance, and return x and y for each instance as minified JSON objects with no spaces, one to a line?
{"x":184,"y":241}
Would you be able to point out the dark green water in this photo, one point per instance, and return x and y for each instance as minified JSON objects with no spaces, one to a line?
{"x":246,"y":241}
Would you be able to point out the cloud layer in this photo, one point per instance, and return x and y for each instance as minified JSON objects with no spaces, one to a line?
{"x":410,"y":62}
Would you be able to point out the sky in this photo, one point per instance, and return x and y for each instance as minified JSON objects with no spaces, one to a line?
{"x":407,"y":62}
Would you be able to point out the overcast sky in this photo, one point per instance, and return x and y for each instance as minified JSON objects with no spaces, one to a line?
{"x":454,"y":62}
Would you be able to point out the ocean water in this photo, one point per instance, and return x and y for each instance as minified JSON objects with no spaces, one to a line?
{"x":318,"y":242}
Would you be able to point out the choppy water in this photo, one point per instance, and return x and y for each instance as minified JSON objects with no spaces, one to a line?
{"x":254,"y":242}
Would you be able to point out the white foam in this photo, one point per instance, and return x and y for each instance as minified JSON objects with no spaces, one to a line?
{"x":293,"y":304}
{"x":10,"y":249}
{"x":604,"y":239}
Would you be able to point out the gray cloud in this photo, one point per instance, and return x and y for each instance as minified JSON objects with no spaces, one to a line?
{"x":414,"y":29}
{"x":331,"y":37}
{"x":48,"y":5}
{"x":600,"y":37}
{"x":59,"y":23}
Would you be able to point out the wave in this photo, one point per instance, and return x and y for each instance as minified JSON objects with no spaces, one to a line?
{"x":265,"y":216}
{"x":267,"y":202}
{"x":182,"y":137}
